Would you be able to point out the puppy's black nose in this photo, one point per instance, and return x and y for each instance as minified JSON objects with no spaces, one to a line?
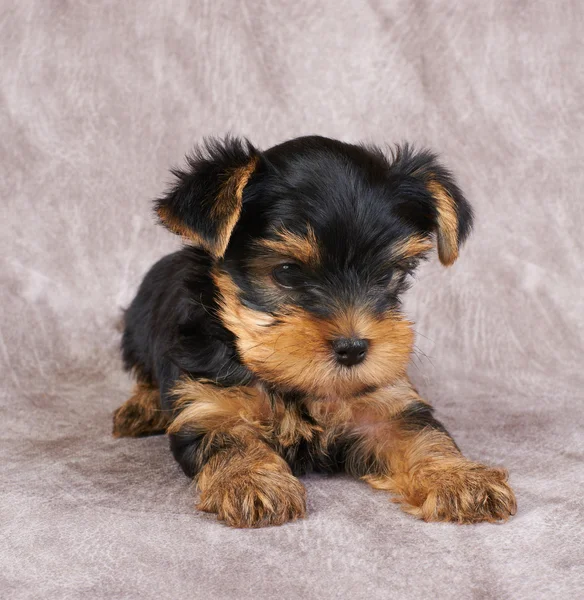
{"x":350,"y":351}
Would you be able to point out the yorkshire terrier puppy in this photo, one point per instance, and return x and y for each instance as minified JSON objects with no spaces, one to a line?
{"x":274,"y":343}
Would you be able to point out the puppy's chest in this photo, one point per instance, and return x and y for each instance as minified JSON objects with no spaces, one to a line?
{"x":308,"y":436}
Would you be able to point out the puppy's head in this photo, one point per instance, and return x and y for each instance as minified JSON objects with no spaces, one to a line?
{"x":313,"y":242}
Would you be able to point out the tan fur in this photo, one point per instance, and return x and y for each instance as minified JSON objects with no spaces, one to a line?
{"x":248,"y":484}
{"x":178,"y":227}
{"x":432,"y":479}
{"x":412,"y":247}
{"x":207,"y":407}
{"x":367,"y":421}
{"x":368,"y":409}
{"x":290,"y":428}
{"x":303,"y":249}
{"x":434,"y":482}
{"x":447,"y":233}
{"x":226,"y":210}
{"x":294,"y":351}
{"x":141,"y":414}
{"x":430,"y":476}
{"x":251,"y":487}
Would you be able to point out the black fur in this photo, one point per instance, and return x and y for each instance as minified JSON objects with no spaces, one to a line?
{"x":418,"y":416}
{"x":357,"y":201}
{"x":171,"y":327}
{"x":192,"y":198}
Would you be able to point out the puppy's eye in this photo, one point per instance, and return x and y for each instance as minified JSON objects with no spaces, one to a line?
{"x":288,"y":275}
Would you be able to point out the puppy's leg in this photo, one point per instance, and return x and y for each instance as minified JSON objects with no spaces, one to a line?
{"x":222,"y":437}
{"x":412,"y":455}
{"x":141,"y":414}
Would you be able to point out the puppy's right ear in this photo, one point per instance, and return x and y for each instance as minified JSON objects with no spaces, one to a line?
{"x":205,"y":203}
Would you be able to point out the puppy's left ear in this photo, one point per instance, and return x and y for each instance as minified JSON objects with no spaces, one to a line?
{"x":431,"y":199}
{"x":205,"y":203}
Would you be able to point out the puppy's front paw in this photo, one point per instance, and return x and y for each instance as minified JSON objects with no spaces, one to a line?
{"x":464,"y":493}
{"x":254,"y":490}
{"x":141,"y":414}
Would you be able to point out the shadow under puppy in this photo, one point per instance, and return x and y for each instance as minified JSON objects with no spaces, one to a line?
{"x":274,"y":344}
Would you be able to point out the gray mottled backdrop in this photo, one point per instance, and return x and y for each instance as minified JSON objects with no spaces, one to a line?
{"x":98,"y":99}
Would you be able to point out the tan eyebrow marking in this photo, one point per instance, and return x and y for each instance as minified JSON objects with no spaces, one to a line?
{"x":302,"y":248}
{"x":416,"y":245}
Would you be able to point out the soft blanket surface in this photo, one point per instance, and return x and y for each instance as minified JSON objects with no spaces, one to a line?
{"x":98,"y":99}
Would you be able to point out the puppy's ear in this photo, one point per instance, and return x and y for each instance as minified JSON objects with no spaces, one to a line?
{"x":205,"y":202}
{"x":430,"y":198}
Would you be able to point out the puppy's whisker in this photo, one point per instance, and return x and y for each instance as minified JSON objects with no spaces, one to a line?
{"x":418,"y":351}
{"x":422,"y":335}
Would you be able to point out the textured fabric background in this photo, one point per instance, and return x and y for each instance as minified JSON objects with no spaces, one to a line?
{"x":98,"y":99}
